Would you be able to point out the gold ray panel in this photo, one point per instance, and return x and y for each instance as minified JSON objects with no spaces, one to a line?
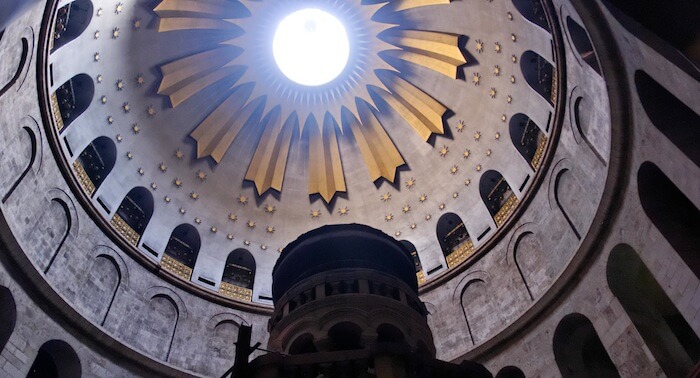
{"x":380,"y":154}
{"x":408,"y":4}
{"x":421,"y":111}
{"x":269,"y":163}
{"x":437,"y":51}
{"x":325,"y":167}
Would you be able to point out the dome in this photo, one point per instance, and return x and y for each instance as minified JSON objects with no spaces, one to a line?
{"x":534,"y":160}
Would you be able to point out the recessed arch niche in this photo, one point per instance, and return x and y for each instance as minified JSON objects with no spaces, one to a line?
{"x":181,"y":251}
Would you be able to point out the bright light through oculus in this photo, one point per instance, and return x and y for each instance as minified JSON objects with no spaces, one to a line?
{"x":311,"y":47}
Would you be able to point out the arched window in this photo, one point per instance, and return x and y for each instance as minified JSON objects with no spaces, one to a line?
{"x":533,"y":11}
{"x":454,"y":239}
{"x":8,"y":315}
{"x":345,"y":336}
{"x":95,"y":163}
{"x":497,"y":196}
{"x":673,"y":214}
{"x":181,"y":252}
{"x":303,"y":344}
{"x":133,"y":214}
{"x":420,"y":276}
{"x":578,"y":350}
{"x":671,"y":116}
{"x":528,"y":139}
{"x":239,"y":275}
{"x":388,"y":333}
{"x":582,"y":44}
{"x":71,"y":20}
{"x":666,"y":333}
{"x":540,"y":75}
{"x":55,"y":359}
{"x":71,"y":99}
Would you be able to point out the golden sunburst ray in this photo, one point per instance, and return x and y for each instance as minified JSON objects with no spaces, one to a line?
{"x":319,"y":114}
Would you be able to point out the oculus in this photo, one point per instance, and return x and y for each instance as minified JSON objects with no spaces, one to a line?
{"x":311,"y":47}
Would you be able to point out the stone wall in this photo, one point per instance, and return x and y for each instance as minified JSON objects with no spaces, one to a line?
{"x":71,"y":282}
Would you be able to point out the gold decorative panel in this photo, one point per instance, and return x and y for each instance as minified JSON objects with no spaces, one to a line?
{"x":460,"y":254}
{"x":125,"y":230}
{"x":541,"y":146}
{"x":506,"y":210}
{"x":56,"y":112}
{"x":83,"y":178}
{"x":236,"y":292}
{"x":420,"y":276}
{"x":175,"y":267}
{"x":554,"y":85}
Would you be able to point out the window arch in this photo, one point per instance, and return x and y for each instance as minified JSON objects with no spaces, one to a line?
{"x":71,"y":99}
{"x":239,"y":275}
{"x":540,"y":75}
{"x":672,"y":342}
{"x":671,"y":212}
{"x":582,"y":44}
{"x":133,"y":214}
{"x":8,"y":315}
{"x":345,"y":336}
{"x":389,"y":333}
{"x":420,"y":276}
{"x":71,"y":21}
{"x":455,"y":242}
{"x":303,"y":344}
{"x":95,"y":163}
{"x":533,"y":11}
{"x":33,"y":152}
{"x":528,"y":139}
{"x":181,"y":251}
{"x":55,"y":359}
{"x":671,"y":116}
{"x":497,"y":196}
{"x":578,"y":350}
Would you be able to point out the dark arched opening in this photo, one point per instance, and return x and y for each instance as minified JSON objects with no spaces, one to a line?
{"x":71,"y":99}
{"x":673,"y":214}
{"x":388,"y":333}
{"x":539,"y":74}
{"x":8,"y":315}
{"x":71,"y":21}
{"x":95,"y":163}
{"x":510,"y":372}
{"x":239,"y":275}
{"x":133,"y":214}
{"x":181,"y":252}
{"x":303,"y":344}
{"x":582,"y":44}
{"x":533,"y":11}
{"x":497,"y":196}
{"x":679,"y":123}
{"x":578,"y":350}
{"x":55,"y":359}
{"x":345,"y":336}
{"x":666,"y":333}
{"x":455,"y":242}
{"x":528,"y":139}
